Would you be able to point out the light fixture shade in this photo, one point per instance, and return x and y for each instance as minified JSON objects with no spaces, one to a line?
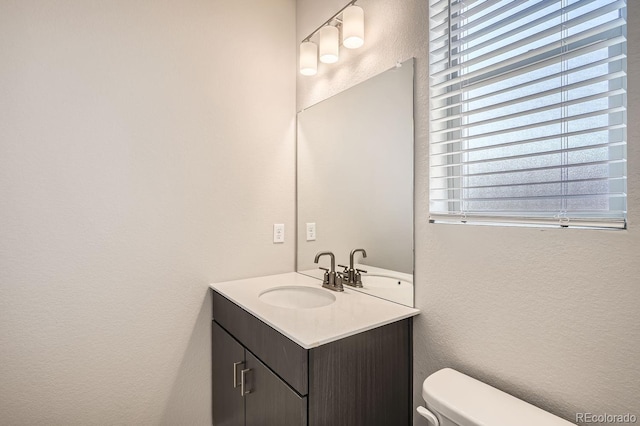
{"x":308,"y":58}
{"x":353,"y":27}
{"x":329,"y":44}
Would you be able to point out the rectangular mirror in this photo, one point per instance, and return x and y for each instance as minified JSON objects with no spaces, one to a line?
{"x":355,"y":183}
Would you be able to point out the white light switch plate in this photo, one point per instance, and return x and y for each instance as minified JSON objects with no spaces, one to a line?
{"x":278,"y":232}
{"x":311,"y":231}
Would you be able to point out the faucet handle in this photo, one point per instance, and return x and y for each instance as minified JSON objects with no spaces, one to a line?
{"x":346,"y":268}
{"x":340,"y":279}
{"x":325,"y":278}
{"x":358,"y":278}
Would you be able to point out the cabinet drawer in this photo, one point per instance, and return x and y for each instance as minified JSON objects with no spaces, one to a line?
{"x":286,"y":358}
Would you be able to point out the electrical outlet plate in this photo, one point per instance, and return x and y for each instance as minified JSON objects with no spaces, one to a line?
{"x":278,"y":232}
{"x":311,"y":231}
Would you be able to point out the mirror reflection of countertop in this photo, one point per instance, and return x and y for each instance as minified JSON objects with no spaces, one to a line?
{"x":352,"y":312}
{"x":390,"y":285}
{"x":380,"y":282}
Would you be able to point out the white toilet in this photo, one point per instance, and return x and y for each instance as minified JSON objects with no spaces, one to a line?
{"x":455,"y":399}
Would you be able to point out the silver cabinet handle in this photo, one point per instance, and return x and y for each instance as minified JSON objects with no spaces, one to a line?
{"x":235,"y":373}
{"x":243,"y":382}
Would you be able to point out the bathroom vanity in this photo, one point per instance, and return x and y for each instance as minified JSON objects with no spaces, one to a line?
{"x":287,"y":352}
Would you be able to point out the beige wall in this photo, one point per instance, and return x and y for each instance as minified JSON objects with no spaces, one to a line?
{"x":137,"y":139}
{"x":550,"y":316}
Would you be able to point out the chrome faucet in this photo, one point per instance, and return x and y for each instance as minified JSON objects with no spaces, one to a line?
{"x":331,"y":280}
{"x":353,"y":277}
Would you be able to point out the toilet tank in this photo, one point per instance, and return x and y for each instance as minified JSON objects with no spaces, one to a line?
{"x":457,"y":399}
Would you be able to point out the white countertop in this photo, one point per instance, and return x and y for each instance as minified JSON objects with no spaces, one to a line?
{"x":352,"y":312}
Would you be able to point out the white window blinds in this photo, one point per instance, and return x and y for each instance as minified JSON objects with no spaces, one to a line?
{"x":528,"y":111}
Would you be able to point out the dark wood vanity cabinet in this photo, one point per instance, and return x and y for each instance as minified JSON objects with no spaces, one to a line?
{"x":363,"y":379}
{"x":257,"y":397}
{"x":228,"y":404}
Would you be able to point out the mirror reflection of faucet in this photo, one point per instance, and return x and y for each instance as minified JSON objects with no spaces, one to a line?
{"x":353,"y":276}
{"x":332,"y":280}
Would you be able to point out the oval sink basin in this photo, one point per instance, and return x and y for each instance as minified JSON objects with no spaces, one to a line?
{"x":297,"y":297}
{"x":381,"y":281}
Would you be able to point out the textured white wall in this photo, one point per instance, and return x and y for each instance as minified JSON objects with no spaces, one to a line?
{"x":146,"y":149}
{"x":550,"y":316}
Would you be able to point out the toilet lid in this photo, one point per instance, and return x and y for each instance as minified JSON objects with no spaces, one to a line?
{"x":469,"y":402}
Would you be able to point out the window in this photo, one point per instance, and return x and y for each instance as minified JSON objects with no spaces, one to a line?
{"x":528,"y":111}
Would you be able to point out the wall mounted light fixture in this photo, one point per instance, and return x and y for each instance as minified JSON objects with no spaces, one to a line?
{"x":329,"y":44}
{"x":308,"y":58}
{"x":353,"y":27}
{"x":350,"y":21}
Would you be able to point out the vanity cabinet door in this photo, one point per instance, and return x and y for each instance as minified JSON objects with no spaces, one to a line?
{"x":270,"y":401}
{"x":228,"y":404}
